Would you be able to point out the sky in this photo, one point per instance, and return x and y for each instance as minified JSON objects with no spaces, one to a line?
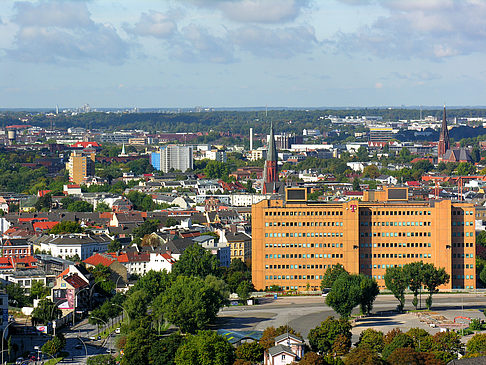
{"x":242,"y":53}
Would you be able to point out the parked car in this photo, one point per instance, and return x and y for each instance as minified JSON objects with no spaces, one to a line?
{"x":117,"y":330}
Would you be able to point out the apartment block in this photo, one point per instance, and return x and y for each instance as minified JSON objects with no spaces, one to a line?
{"x":81,"y":164}
{"x":294,"y":240}
{"x":172,"y":157}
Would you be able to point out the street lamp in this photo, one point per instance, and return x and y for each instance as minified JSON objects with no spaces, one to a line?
{"x":3,"y":336}
{"x":52,"y":312}
{"x":122,"y":307}
{"x":85,"y":348}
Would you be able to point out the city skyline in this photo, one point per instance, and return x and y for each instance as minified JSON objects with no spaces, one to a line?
{"x":241,"y":53}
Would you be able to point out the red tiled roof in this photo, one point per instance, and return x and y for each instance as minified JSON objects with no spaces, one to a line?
{"x":86,"y":144}
{"x":76,"y":281}
{"x":43,"y":225}
{"x":37,"y":219}
{"x":64,"y":273}
{"x":99,"y":259}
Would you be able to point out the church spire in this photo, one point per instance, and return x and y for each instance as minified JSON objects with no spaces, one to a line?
{"x":444,"y":143}
{"x":270,"y":173}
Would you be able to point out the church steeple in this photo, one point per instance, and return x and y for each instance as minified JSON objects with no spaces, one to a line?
{"x":444,"y":143}
{"x":270,"y":172}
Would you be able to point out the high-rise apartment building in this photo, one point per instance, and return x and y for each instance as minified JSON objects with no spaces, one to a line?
{"x":294,"y":240}
{"x":172,"y":157}
{"x":81,"y":164}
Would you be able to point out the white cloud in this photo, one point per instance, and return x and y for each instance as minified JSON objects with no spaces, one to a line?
{"x":433,"y":29}
{"x":154,"y":24}
{"x":257,"y":11}
{"x":63,"y":31}
{"x":197,"y":44}
{"x":275,"y":43}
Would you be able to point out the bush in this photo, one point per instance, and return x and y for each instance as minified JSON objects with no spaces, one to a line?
{"x":322,"y":337}
{"x":477,"y":343}
{"x":372,"y":340}
{"x":399,"y":341}
{"x":476,"y":324}
{"x":362,"y":356}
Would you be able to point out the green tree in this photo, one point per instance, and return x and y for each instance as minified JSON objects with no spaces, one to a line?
{"x":433,"y":278}
{"x":101,"y":360}
{"x":102,"y":207}
{"x":268,"y":337}
{"x":345,"y":294}
{"x":396,"y":280}
{"x":369,"y":292}
{"x":331,"y":274}
{"x":45,"y":312}
{"x":399,"y":341}
{"x":190,"y":303}
{"x":171,"y":222}
{"x":43,"y":203}
{"x":371,"y":171}
{"x":414,"y":275}
{"x":216,"y":170}
{"x":53,"y":346}
{"x":141,"y":201}
{"x":16,"y":295}
{"x":164,"y":350}
{"x":446,"y":345}
{"x":153,"y":283}
{"x":356,"y":186}
{"x":341,"y":345}
{"x":363,"y":356}
{"x":250,"y":351}
{"x":147,"y":227}
{"x":114,"y":245}
{"x":465,"y":168}
{"x":138,"y":345}
{"x":372,"y":339}
{"x":67,"y":227}
{"x":137,"y":304}
{"x":322,"y":337}
{"x":206,"y":347}
{"x":477,"y":344}
{"x":362,"y":154}
{"x":244,"y":290}
{"x":38,"y":290}
{"x":196,"y":261}
{"x":80,"y":206}
{"x":422,"y":340}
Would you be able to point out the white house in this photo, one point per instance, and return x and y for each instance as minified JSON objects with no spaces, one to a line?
{"x":288,"y":348}
{"x":81,"y":244}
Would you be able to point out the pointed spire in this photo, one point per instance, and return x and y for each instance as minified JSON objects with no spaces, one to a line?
{"x":272,"y":150}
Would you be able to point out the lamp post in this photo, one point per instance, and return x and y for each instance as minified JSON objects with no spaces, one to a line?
{"x":99,"y":319}
{"x":3,"y":336}
{"x":123,"y":308}
{"x":85,"y":348}
{"x":52,"y":312}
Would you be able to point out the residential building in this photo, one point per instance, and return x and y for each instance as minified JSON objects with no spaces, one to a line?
{"x":294,"y":241}
{"x":81,"y":164}
{"x":240,"y":245}
{"x":4,"y":314}
{"x":172,"y":157}
{"x":72,"y":291}
{"x":288,"y":348}
{"x":16,"y":247}
{"x":68,"y":245}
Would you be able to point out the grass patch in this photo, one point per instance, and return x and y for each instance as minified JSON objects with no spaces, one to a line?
{"x":54,"y":361}
{"x":112,"y":328}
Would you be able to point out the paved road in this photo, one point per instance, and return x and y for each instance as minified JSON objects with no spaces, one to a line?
{"x":305,"y":313}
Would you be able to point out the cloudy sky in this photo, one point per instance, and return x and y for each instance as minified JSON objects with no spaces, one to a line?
{"x":223,"y":53}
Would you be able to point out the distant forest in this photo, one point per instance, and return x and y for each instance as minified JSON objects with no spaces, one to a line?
{"x":238,"y":122}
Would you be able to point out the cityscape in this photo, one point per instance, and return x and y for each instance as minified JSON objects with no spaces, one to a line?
{"x":242,"y":182}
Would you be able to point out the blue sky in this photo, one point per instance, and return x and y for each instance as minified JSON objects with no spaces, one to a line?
{"x":223,"y":53}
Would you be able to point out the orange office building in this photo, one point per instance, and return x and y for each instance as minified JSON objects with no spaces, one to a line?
{"x":294,"y":240}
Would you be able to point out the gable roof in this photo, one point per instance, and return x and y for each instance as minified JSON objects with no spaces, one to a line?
{"x":288,"y":335}
{"x":99,"y":259}
{"x":76,"y":281}
{"x":275,"y":350}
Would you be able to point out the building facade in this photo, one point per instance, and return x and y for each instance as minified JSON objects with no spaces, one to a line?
{"x":172,"y":157}
{"x":80,"y":165}
{"x":295,"y":241}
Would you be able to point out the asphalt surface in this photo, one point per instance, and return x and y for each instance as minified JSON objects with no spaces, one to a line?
{"x":305,"y":313}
